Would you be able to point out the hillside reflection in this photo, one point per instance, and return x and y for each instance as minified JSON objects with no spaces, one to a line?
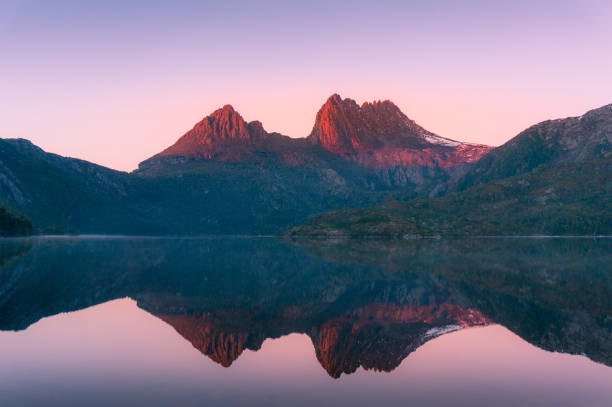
{"x":362,"y":303}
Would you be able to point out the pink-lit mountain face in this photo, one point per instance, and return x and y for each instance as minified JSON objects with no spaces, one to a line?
{"x":221,"y":131}
{"x":379,"y":135}
{"x":376,"y":336}
{"x":375,"y":135}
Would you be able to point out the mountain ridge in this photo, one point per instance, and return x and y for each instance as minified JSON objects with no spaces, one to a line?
{"x":248,"y":181}
{"x":375,"y":134}
{"x":548,"y":142}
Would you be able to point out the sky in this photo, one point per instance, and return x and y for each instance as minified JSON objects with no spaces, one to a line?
{"x":115,"y":83}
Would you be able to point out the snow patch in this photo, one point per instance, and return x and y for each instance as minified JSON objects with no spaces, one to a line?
{"x":441,"y":141}
{"x":433,"y":332}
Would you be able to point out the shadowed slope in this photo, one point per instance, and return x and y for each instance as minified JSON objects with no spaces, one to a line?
{"x":554,"y":141}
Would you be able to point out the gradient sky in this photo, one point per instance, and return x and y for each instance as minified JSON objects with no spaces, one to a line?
{"x":115,"y":83}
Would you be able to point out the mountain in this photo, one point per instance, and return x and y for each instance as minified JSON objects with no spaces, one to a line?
{"x":66,"y":195}
{"x":554,"y":178}
{"x":554,"y":141}
{"x":227,"y":176}
{"x":61,"y":194}
{"x":11,"y":225}
{"x":224,"y":127}
{"x":225,"y":136}
{"x":379,"y":135}
{"x":376,"y":135}
{"x":566,"y":199}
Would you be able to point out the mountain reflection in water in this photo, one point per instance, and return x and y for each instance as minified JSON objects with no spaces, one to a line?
{"x":363,"y":303}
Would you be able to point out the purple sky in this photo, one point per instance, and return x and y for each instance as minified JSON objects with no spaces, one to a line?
{"x":115,"y":83}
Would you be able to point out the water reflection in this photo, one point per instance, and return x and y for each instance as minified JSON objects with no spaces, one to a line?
{"x":362,"y":303}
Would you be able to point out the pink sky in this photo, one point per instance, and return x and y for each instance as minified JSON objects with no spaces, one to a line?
{"x":115,"y":83}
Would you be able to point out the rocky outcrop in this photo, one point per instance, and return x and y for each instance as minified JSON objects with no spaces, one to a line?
{"x":379,"y":135}
{"x":216,"y":132}
{"x":225,"y":136}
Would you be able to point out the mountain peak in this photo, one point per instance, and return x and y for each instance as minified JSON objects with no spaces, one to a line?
{"x":379,"y":135}
{"x":335,"y":98}
{"x":223,"y":127}
{"x":227,"y":112}
{"x":376,"y":103}
{"x":344,"y":127}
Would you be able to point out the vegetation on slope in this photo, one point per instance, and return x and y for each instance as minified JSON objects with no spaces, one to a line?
{"x":189,"y":196}
{"x":11,"y":225}
{"x":551,"y":142}
{"x":562,"y":199}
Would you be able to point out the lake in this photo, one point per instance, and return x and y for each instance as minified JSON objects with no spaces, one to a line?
{"x":259,"y":321}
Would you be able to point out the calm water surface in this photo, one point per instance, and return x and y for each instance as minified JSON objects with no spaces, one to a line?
{"x":238,"y":321}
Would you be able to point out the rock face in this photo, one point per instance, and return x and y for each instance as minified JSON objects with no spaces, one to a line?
{"x":376,"y":135}
{"x":223,"y":127}
{"x":379,"y":135}
{"x":344,"y":127}
{"x":225,"y":136}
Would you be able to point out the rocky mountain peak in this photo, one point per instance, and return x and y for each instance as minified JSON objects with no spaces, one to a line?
{"x":344,"y":127}
{"x":222,"y":128}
